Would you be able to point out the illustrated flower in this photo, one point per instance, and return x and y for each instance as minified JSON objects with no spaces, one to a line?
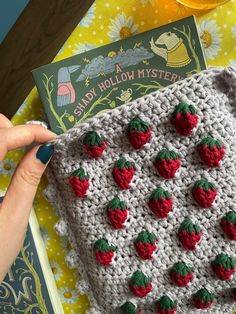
{"x":68,"y":296}
{"x":211,"y":38}
{"x":57,"y":271}
{"x":82,"y":47}
{"x":45,"y":235}
{"x":89,"y":16}
{"x":147,"y":2}
{"x":7,"y":167}
{"x":122,"y":27}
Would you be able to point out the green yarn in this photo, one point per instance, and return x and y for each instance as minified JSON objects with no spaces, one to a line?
{"x":139,"y":279}
{"x":166,"y":303}
{"x":225,"y":261}
{"x":159,"y":193}
{"x":146,"y":237}
{"x":116,"y":203}
{"x":138,"y":125}
{"x":93,"y":138}
{"x":205,"y":184}
{"x":166,"y":154}
{"x":188,"y":225}
{"x":80,"y":173}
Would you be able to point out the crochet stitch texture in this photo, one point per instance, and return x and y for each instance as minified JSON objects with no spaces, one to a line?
{"x":85,"y":220}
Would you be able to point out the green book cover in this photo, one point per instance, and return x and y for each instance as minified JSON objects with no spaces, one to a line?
{"x":79,"y":87}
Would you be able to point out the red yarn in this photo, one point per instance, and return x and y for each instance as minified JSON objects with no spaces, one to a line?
{"x":104,"y":258}
{"x":229,"y":229}
{"x":184,"y":124}
{"x":161,"y":208}
{"x":222,"y":273}
{"x":117,"y":217}
{"x":167,"y":169}
{"x":79,"y":187}
{"x":161,"y":311}
{"x":95,"y":151}
{"x":180,"y":280}
{"x":200,"y":304}
{"x":140,"y":292}
{"x":211,"y":157}
{"x":189,"y":240}
{"x":123,"y":177}
{"x":139,"y":139}
{"x":204,"y":198}
{"x":145,"y":251}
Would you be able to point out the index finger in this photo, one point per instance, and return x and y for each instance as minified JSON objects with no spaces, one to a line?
{"x":23,"y":135}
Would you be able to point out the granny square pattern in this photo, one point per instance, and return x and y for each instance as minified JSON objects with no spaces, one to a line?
{"x":147,"y":193}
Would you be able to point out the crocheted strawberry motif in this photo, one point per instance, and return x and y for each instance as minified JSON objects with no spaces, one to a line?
{"x":228,"y":224}
{"x":184,"y":118}
{"x":189,"y":234}
{"x":211,"y":151}
{"x":123,"y":172}
{"x":79,"y":182}
{"x":94,"y":144}
{"x":129,"y":308}
{"x":104,"y":252}
{"x":204,"y":193}
{"x":165,"y":305}
{"x":145,"y":245}
{"x":167,"y":163}
{"x":203,"y":299}
{"x":140,"y":284}
{"x":223,"y":266}
{"x":139,"y":132}
{"x":160,"y":202}
{"x":181,"y":274}
{"x":117,"y":212}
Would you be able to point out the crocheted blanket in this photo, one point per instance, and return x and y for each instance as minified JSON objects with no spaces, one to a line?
{"x":147,"y":194}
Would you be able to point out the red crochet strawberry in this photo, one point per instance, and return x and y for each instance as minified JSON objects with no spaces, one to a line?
{"x":139,"y":132}
{"x":145,"y":244}
{"x":167,"y":163}
{"x":211,"y":151}
{"x":181,"y":274}
{"x":189,"y":234}
{"x":140,"y":284}
{"x":94,"y":144}
{"x":129,"y":308}
{"x":79,"y":182}
{"x":234,"y":293}
{"x":184,"y":118}
{"x":223,"y":266}
{"x":165,"y":305}
{"x":203,"y":299}
{"x":228,"y":224}
{"x":117,"y":212}
{"x":123,"y":172}
{"x":104,"y":252}
{"x":160,"y":202}
{"x":204,"y":193}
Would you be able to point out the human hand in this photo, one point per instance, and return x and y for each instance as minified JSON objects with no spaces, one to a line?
{"x":17,"y":203}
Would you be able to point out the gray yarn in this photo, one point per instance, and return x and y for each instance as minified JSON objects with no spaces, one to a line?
{"x":212,"y":92}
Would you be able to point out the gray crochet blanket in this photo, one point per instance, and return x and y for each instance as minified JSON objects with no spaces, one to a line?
{"x":86,"y":219}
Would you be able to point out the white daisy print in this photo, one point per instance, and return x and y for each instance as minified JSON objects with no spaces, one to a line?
{"x":7,"y":167}
{"x":68,"y":296}
{"x":21,"y":108}
{"x":79,"y":48}
{"x":211,"y":38}
{"x":122,"y":27}
{"x":89,"y":16}
{"x":234,"y":31}
{"x":147,"y":2}
{"x":57,"y":271}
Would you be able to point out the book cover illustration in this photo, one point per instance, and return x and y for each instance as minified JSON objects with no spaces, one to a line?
{"x":29,"y":286}
{"x":79,"y":87}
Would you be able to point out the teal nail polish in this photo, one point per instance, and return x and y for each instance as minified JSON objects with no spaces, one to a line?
{"x":1,"y":199}
{"x":45,"y":152}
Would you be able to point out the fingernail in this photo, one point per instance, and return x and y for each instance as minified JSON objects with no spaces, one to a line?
{"x":1,"y":199}
{"x":44,"y":153}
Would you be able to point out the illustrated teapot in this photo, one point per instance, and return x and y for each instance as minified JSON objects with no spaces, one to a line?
{"x":125,"y":95}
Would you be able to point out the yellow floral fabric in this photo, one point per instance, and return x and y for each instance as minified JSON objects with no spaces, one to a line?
{"x":107,"y":21}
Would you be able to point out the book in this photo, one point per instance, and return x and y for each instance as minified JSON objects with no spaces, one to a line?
{"x":81,"y":86}
{"x":29,"y":286}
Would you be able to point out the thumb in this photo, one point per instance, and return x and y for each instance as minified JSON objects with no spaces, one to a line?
{"x":17,"y":203}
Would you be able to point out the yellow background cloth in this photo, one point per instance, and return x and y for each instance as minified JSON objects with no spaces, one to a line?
{"x":106,"y":21}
